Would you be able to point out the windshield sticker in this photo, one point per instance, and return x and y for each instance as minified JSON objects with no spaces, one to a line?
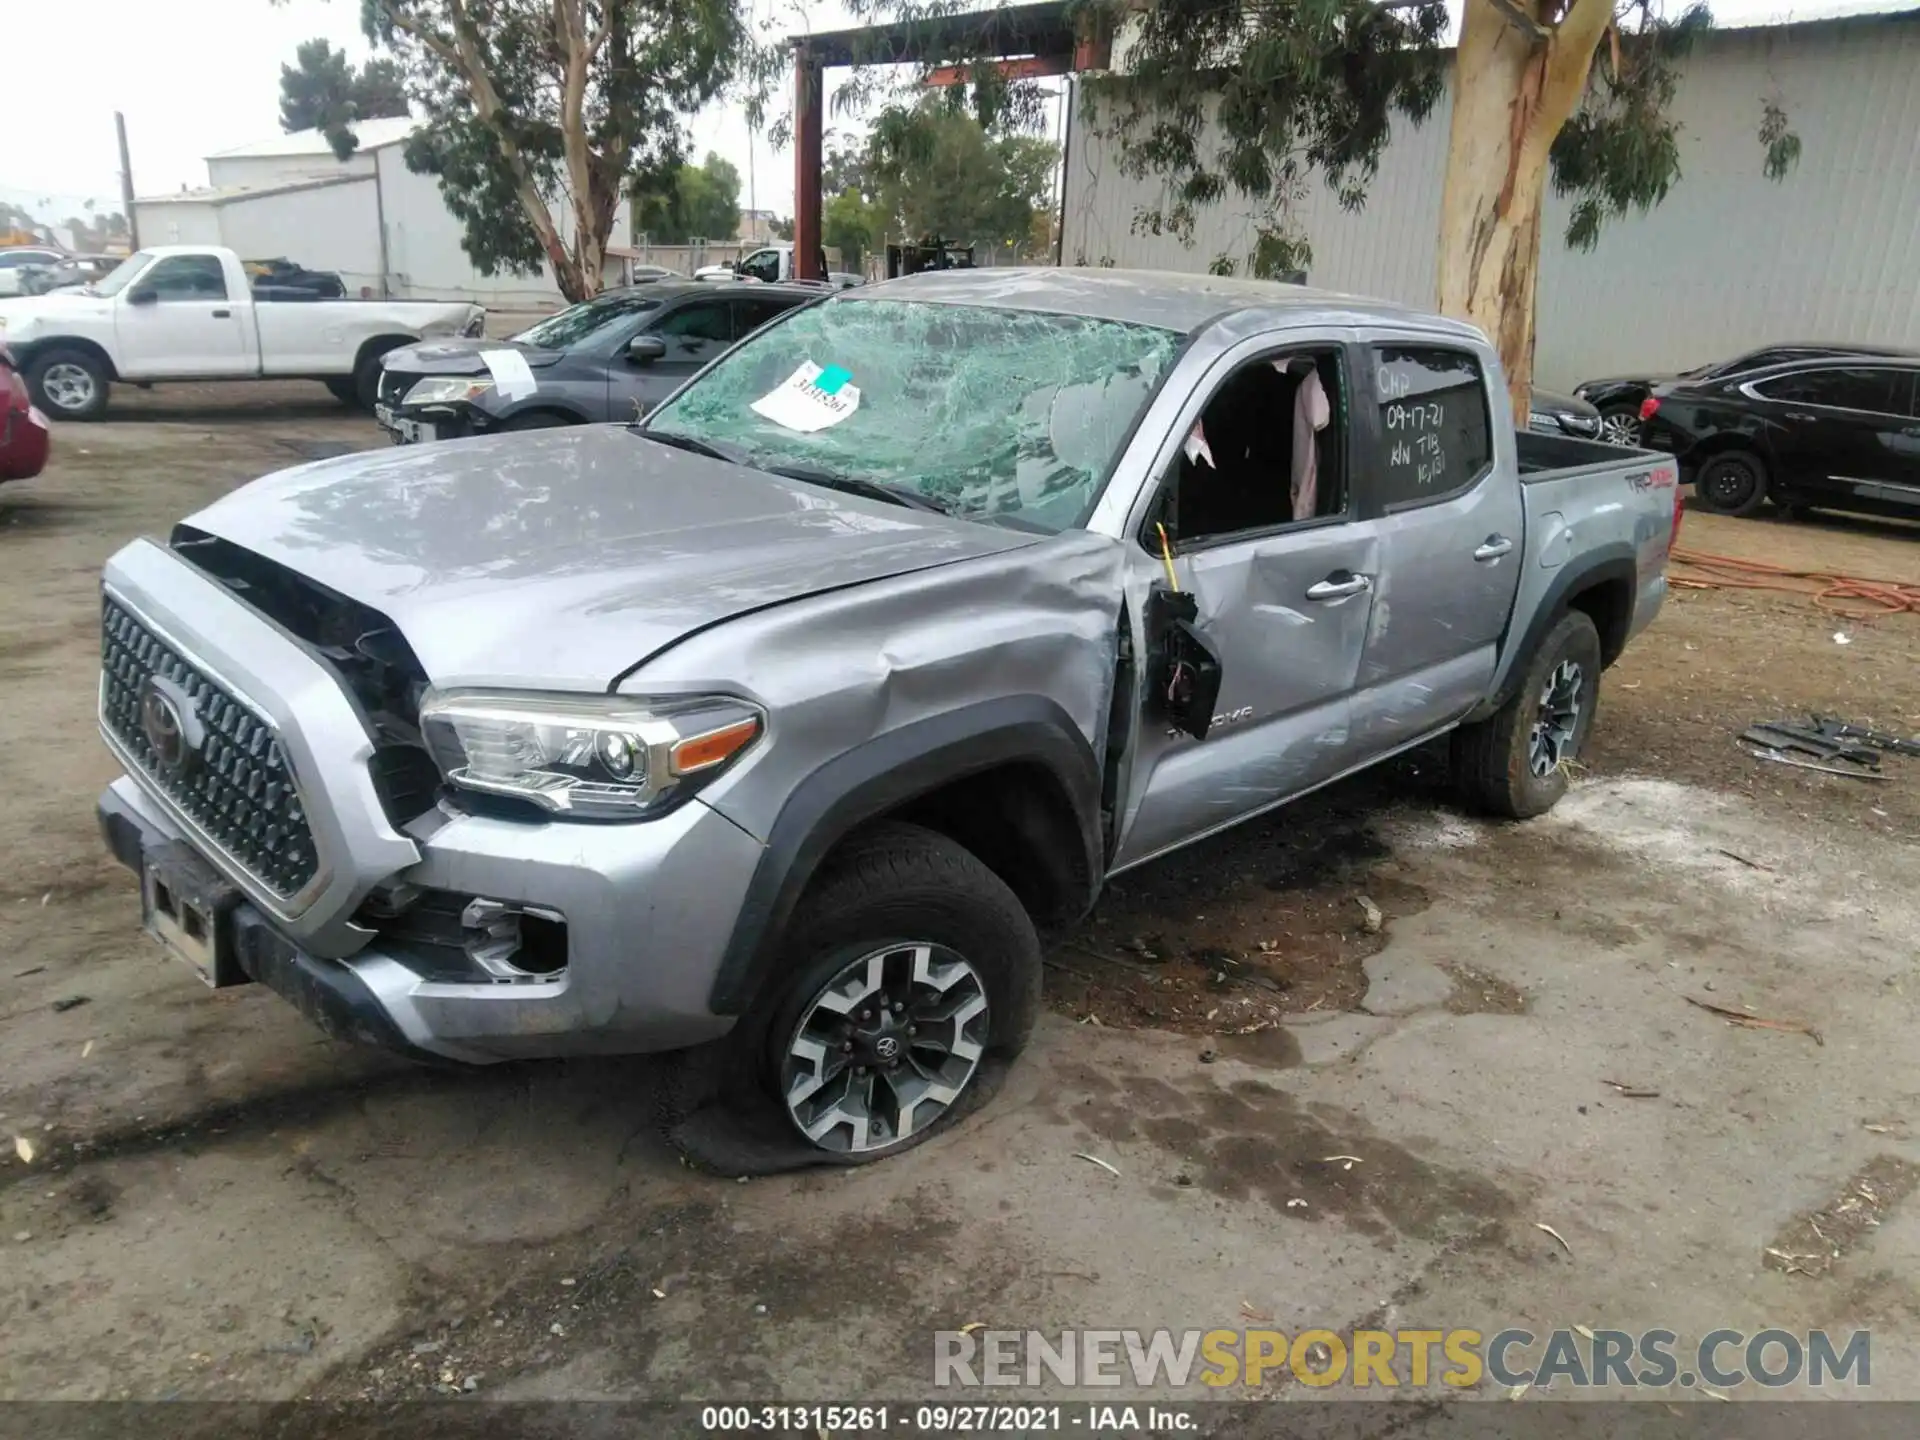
{"x":512,"y":376}
{"x":811,"y":399}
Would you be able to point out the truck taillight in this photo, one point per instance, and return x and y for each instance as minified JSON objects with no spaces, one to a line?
{"x":1649,"y":407}
{"x":1679,"y":509}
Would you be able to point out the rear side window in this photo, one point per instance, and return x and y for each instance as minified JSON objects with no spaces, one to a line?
{"x":1840,"y":388}
{"x":1436,"y":436}
{"x":750,"y":315}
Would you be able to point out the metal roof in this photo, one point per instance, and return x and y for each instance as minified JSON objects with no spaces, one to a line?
{"x":228,"y":194}
{"x":1162,"y":298}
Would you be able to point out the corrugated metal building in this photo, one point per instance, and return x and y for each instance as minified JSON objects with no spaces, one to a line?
{"x":1729,"y":260}
{"x":368,"y":218}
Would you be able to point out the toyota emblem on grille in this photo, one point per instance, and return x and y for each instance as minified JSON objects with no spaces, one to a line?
{"x":171,"y":725}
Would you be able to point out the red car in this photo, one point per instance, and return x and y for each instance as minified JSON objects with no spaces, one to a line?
{"x":23,"y":429}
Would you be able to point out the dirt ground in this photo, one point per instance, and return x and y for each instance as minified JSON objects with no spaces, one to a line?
{"x":202,"y":1197}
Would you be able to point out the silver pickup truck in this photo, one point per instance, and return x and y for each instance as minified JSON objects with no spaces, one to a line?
{"x":793,"y":715}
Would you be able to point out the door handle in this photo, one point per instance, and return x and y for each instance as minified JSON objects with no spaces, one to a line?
{"x":1802,"y":417}
{"x":1493,"y":548}
{"x":1336,"y":588}
{"x":223,"y":314}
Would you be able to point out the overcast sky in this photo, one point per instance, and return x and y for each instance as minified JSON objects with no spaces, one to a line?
{"x":205,"y":76}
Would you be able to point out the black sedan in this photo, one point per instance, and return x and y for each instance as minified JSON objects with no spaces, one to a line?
{"x":1553,"y":414}
{"x":610,"y":358}
{"x":1838,"y":433}
{"x":1619,"y":399}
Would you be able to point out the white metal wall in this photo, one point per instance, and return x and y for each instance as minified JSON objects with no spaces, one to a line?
{"x":177,"y":222}
{"x":260,"y":170}
{"x":423,"y":245}
{"x":328,"y":227}
{"x":1729,"y":260}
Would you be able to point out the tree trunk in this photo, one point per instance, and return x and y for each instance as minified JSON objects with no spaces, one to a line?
{"x":1512,"y":93}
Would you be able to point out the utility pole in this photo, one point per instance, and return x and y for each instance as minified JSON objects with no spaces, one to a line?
{"x":126,"y":183}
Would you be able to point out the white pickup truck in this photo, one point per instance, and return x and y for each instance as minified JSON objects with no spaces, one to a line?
{"x":190,"y":312}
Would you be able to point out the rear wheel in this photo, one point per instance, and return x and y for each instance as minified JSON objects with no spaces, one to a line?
{"x":1734,"y":483}
{"x":1515,"y":762}
{"x":908,"y":965}
{"x":69,"y":384}
{"x":1620,"y":425}
{"x":345,"y":389}
{"x":366,"y":375}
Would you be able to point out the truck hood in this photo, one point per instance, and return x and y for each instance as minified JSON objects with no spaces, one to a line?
{"x":459,"y":357}
{"x":25,"y":316}
{"x":559,"y":559}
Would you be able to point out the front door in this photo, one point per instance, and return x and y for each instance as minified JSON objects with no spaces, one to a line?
{"x":190,"y":327}
{"x":1451,"y":531}
{"x":1264,"y":534}
{"x":694,"y":333}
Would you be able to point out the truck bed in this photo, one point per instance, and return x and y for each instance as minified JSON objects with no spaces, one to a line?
{"x":1544,"y":457}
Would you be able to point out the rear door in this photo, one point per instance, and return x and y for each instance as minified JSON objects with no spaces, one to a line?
{"x":1448,"y":512}
{"x":189,"y":326}
{"x":1838,"y":428}
{"x":750,"y":312}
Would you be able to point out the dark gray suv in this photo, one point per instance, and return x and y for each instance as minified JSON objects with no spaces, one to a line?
{"x":610,"y":358}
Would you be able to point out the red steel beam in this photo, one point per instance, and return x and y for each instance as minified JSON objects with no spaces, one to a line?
{"x":1029,"y":67}
{"x":809,"y":116}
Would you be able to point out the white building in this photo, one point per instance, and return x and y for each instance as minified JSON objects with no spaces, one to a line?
{"x":383,"y":228}
{"x":1730,"y":260}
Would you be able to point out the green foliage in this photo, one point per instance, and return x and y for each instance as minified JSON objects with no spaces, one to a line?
{"x":322,"y":91}
{"x":694,"y":202}
{"x":933,"y":169}
{"x":502,"y":132}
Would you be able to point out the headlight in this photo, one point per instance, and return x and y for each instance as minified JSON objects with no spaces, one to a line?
{"x":597,"y":757}
{"x":446,"y":389}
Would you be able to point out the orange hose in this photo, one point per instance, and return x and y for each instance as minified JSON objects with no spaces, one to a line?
{"x":1831,"y":593}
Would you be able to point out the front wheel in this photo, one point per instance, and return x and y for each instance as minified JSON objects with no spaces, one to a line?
{"x":1515,"y":762}
{"x":69,"y":384}
{"x":1731,"y":484}
{"x":909,"y":965}
{"x":1620,"y":425}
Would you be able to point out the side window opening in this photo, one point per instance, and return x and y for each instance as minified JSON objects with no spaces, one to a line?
{"x":1268,"y":451}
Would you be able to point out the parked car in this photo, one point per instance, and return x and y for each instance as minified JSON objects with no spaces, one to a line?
{"x":1619,"y":399}
{"x":1842,"y":434}
{"x":19,"y":262}
{"x":783,"y":719}
{"x":75,"y":272}
{"x":612,"y":358}
{"x":23,"y":429}
{"x":188,"y":312}
{"x":1563,"y":415}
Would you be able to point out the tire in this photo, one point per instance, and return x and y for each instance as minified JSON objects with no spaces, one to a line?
{"x":1513,"y":763}
{"x":538,"y":420}
{"x":1620,"y":425}
{"x":1733,"y":483}
{"x":898,"y":905}
{"x":69,"y":384}
{"x":346,"y":388}
{"x":366,"y":376}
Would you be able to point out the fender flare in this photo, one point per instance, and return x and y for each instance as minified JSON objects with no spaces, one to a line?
{"x":1610,"y":563}
{"x":879,"y":776}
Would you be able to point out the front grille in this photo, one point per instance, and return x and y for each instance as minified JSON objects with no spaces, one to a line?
{"x":237,"y":787}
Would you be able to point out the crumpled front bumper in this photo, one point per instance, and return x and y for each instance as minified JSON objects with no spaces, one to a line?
{"x":649,"y":909}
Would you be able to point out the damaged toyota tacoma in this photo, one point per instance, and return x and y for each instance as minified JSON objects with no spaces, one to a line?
{"x":788,"y":719}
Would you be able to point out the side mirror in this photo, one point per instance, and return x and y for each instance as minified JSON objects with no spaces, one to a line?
{"x":142,"y":295}
{"x":645,"y":349}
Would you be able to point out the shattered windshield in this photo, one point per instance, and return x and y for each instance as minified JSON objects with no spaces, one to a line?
{"x":989,"y":413}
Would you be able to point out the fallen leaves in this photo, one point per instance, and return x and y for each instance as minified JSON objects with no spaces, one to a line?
{"x":1757,"y":1022}
{"x":1540,"y":1225}
{"x":1096,"y":1160}
{"x":23,"y":1147}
